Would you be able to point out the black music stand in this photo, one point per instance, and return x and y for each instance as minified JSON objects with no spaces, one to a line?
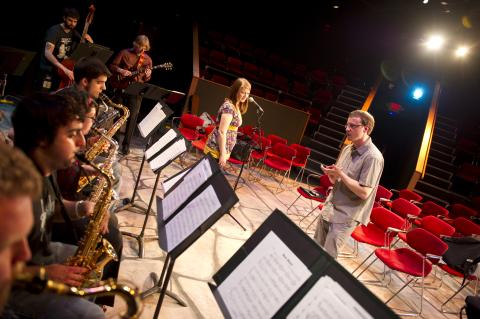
{"x":166,"y":160}
{"x":87,"y":49}
{"x":175,"y":243}
{"x":155,"y":122}
{"x":140,"y":91}
{"x":13,"y":62}
{"x":281,"y":255}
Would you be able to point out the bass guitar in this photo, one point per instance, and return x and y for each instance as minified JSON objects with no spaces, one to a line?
{"x":70,"y":63}
{"x":118,"y":81}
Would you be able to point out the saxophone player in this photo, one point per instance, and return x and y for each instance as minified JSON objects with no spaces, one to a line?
{"x":90,"y":77}
{"x":20,"y":183}
{"x":48,"y":129}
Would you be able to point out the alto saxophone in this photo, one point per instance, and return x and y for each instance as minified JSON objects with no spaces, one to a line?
{"x":39,"y":283}
{"x":94,"y":251}
{"x":103,"y":141}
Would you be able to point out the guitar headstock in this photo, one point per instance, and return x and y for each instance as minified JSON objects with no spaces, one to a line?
{"x":167,"y":66}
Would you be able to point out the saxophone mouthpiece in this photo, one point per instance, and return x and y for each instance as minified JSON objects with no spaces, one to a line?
{"x":81,"y":157}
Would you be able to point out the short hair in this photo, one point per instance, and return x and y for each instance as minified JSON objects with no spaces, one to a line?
{"x":236,"y":86}
{"x":80,"y":97}
{"x":366,"y":119}
{"x":18,"y":175}
{"x":89,"y":68}
{"x":142,"y":40}
{"x":38,"y":117}
{"x":71,"y":13}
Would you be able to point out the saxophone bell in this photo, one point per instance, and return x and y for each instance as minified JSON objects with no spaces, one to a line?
{"x":39,"y":283}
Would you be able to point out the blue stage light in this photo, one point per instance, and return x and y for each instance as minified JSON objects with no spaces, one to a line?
{"x":417,"y":93}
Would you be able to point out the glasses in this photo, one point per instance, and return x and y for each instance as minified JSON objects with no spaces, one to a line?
{"x":352,"y":126}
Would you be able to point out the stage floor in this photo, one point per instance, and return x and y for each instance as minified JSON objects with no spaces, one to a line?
{"x":195,"y":267}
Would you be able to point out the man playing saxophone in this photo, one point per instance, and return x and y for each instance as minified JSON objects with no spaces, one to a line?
{"x":20,"y":183}
{"x":48,"y":128}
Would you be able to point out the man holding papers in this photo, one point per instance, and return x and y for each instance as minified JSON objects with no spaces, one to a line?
{"x":355,"y":176}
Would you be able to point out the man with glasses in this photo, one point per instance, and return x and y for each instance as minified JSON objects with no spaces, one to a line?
{"x":355,"y":175}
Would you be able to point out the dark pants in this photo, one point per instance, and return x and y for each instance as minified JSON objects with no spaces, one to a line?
{"x":133,"y":103}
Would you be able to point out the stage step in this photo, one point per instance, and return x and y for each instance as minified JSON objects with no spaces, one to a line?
{"x":449,"y":167}
{"x":356,"y":90}
{"x":437,"y":181}
{"x":329,"y":140}
{"x":441,"y":155}
{"x":324,"y":149}
{"x":442,"y":148}
{"x":445,"y":133}
{"x":438,"y":172}
{"x":340,"y":112}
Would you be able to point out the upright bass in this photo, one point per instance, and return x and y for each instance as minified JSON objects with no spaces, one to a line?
{"x":68,"y":62}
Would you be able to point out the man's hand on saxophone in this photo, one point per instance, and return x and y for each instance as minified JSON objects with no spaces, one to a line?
{"x":70,"y":275}
{"x":104,"y":224}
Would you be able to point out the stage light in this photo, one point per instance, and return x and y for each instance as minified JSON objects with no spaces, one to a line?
{"x":417,"y":93}
{"x":435,"y":43}
{"x":425,"y":1}
{"x":461,"y":52}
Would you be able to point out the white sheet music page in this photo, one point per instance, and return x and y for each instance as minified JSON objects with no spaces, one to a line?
{"x":327,"y":299}
{"x":171,"y":181}
{"x":191,"y":217}
{"x":264,"y":280}
{"x":150,"y":121}
{"x":170,"y":153}
{"x":158,"y":145}
{"x":192,"y":181}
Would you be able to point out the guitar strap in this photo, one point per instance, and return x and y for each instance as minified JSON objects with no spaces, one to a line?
{"x":140,"y":60}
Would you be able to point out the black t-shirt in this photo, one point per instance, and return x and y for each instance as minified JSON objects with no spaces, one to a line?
{"x":65,"y":44}
{"x":43,"y":212}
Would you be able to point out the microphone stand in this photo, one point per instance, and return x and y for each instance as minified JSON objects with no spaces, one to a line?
{"x":257,"y":129}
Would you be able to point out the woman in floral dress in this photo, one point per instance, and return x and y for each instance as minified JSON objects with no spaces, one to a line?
{"x":221,"y":141}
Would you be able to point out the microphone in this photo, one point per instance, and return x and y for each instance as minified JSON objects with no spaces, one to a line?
{"x":250,"y":99}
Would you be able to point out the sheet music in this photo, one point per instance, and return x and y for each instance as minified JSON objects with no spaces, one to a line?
{"x":170,"y":182}
{"x":327,"y":299}
{"x":158,"y":145}
{"x":170,"y":153}
{"x":264,"y":281}
{"x":192,"y":181}
{"x":191,"y":217}
{"x":150,"y":121}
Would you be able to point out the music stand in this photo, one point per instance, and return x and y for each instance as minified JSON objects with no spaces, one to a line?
{"x":155,"y":120}
{"x":13,"y":62}
{"x":280,"y":272}
{"x":167,"y":153}
{"x":198,"y":212}
{"x":87,"y":49}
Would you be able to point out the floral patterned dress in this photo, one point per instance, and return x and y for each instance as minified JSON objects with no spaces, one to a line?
{"x":211,"y":145}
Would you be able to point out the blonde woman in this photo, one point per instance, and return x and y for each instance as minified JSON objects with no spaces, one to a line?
{"x":221,"y":141}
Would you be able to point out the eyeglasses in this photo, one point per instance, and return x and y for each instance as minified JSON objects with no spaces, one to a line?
{"x":352,"y":126}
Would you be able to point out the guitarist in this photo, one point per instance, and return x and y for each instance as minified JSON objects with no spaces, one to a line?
{"x":124,"y":63}
{"x":60,"y":41}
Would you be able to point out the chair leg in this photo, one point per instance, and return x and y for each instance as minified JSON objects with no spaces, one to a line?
{"x":421,"y":300}
{"x":364,"y":261}
{"x":453,"y":296}
{"x":294,"y":202}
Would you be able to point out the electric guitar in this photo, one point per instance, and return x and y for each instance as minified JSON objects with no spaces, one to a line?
{"x":118,"y":81}
{"x":70,"y":63}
